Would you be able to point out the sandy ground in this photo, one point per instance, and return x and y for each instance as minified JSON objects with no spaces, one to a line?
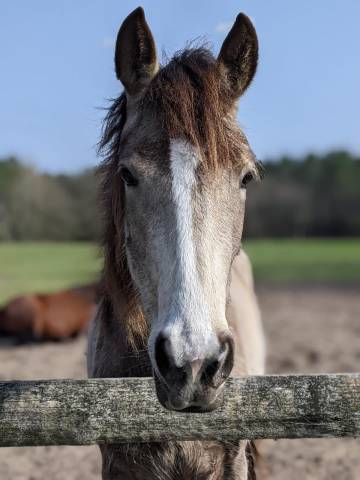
{"x":309,"y":330}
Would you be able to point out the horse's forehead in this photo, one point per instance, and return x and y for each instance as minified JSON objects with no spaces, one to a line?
{"x":152,"y":148}
{"x":144,"y":134}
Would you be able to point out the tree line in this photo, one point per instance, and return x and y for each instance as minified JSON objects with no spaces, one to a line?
{"x":318,"y":195}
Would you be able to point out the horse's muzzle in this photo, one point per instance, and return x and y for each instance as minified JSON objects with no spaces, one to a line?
{"x":197,"y":386}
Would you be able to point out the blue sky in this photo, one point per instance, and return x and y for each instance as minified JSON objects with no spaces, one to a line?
{"x":57,"y":72}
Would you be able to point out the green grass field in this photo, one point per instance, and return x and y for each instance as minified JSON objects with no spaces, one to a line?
{"x":45,"y":267}
{"x":313,"y":260}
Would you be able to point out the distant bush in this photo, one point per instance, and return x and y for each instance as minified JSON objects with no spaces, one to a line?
{"x":36,"y":206}
{"x":318,"y":195}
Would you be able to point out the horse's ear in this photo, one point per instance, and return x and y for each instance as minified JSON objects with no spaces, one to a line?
{"x":239,"y":55}
{"x":135,"y":53}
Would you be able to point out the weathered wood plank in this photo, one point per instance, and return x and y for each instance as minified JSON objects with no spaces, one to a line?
{"x":80,"y":412}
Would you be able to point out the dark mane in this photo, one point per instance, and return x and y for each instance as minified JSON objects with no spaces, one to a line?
{"x":116,"y":271}
{"x":191,"y":98}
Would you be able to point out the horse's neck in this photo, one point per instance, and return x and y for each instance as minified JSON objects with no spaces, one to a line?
{"x":244,"y":320}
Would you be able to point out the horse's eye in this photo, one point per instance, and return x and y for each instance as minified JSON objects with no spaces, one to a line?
{"x":246,"y":179}
{"x":128,"y":177}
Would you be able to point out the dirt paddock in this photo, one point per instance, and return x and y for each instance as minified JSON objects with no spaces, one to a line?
{"x":309,"y":330}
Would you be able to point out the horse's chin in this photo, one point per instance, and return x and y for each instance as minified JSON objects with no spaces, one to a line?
{"x":189,"y":399}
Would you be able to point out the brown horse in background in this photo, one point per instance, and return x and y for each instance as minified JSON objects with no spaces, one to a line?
{"x":53,"y":316}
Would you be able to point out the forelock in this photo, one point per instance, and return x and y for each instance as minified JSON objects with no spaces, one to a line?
{"x":191,"y":99}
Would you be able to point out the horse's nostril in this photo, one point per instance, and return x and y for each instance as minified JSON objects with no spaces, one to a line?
{"x":217,"y":371}
{"x":210,"y":371}
{"x":227,"y":361}
{"x":194,"y":376}
{"x":161,"y":357}
{"x":166,"y":367}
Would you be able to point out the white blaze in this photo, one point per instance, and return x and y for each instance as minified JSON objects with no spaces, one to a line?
{"x":187,"y":323}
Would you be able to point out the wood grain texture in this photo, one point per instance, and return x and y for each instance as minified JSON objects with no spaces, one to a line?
{"x":82,"y":412}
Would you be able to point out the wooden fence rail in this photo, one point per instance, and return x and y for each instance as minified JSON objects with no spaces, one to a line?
{"x":81,"y":412}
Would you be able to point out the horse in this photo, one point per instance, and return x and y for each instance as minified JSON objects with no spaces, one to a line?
{"x":177,"y":299}
{"x":52,"y":316}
